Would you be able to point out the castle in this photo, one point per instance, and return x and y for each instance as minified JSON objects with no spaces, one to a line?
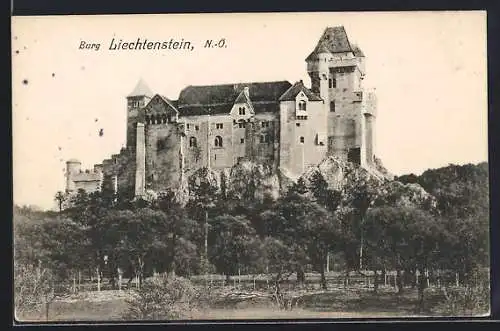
{"x":282,"y":125}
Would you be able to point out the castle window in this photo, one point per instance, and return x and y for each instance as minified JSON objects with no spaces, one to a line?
{"x":301,"y":140}
{"x":302,"y":105}
{"x":219,"y":126}
{"x":332,"y":83}
{"x":265,"y":124}
{"x":187,"y":126}
{"x":332,"y":106}
{"x":218,"y":141}
{"x":242,"y":140}
{"x":192,"y":142}
{"x":197,"y":127}
{"x":241,"y":125}
{"x":242,"y":110}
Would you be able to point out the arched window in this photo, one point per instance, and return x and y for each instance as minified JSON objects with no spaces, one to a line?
{"x":218,"y":141}
{"x":242,"y":110}
{"x":302,"y":105}
{"x":192,"y":142}
{"x":301,"y":140}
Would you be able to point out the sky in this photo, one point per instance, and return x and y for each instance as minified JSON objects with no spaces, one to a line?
{"x":428,"y":68}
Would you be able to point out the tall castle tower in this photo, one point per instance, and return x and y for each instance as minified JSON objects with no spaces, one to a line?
{"x":337,"y":70}
{"x":136,"y":100}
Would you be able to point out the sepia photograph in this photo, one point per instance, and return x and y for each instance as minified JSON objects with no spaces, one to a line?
{"x":250,"y":166}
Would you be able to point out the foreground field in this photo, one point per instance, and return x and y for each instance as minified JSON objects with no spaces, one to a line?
{"x":355,"y":303}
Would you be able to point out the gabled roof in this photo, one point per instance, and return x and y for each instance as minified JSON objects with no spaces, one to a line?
{"x":219,"y":99}
{"x":333,"y":40}
{"x":357,"y":51}
{"x":141,"y":89}
{"x":242,"y":98}
{"x":298,"y":87}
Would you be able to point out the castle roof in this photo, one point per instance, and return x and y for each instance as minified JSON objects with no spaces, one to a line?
{"x":141,"y":89}
{"x":357,"y":51}
{"x":333,"y":40}
{"x":298,"y":87}
{"x":219,"y":99}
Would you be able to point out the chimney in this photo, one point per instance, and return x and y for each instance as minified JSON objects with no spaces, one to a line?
{"x":246,"y":90}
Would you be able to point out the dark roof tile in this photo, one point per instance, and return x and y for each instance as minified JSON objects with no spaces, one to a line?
{"x":333,"y":40}
{"x":298,"y":87}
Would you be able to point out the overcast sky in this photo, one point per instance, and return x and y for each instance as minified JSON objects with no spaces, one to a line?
{"x":429,"y":71}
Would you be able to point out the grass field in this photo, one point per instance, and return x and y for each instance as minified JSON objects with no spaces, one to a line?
{"x":353,"y":303}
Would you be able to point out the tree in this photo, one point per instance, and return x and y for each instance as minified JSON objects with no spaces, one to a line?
{"x":60,"y":197}
{"x":405,"y":237}
{"x":137,"y":236}
{"x":233,"y":244}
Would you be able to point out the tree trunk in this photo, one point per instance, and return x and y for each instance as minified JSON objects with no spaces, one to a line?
{"x":375,"y":281}
{"x":172,"y":261}
{"x":399,"y":281}
{"x":323,"y":278}
{"x":301,"y":276}
{"x":421,"y":287}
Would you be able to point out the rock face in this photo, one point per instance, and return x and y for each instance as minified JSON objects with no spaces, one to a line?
{"x":249,"y":180}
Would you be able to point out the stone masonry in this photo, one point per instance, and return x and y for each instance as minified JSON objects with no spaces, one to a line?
{"x":278,"y":124}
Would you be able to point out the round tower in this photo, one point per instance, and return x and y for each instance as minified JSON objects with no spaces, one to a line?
{"x":73,"y":166}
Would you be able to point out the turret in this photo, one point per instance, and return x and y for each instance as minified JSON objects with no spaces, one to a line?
{"x":136,"y":100}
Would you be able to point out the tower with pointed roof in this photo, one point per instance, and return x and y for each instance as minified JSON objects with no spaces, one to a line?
{"x":337,"y":69}
{"x":275,"y":124}
{"x":136,"y":99}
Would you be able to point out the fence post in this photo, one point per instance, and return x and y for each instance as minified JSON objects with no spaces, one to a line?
{"x":74,"y":283}
{"x":385,"y":277}
{"x":427,"y":276}
{"x":457,"y":283}
{"x":254,"y":282}
{"x":234,"y":282}
{"x":98,"y":280}
{"x":395,"y":279}
{"x":223,"y":280}
{"x":239,"y":277}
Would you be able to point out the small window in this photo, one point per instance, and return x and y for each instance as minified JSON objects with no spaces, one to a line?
{"x":242,"y":140}
{"x":302,"y":105}
{"x":218,"y":141}
{"x":242,"y":110}
{"x":297,"y":124}
{"x":192,"y":142}
{"x":301,"y":140}
{"x":267,"y":138}
{"x":219,"y":126}
{"x":187,"y":126}
{"x":197,"y":127}
{"x":332,"y":106}
{"x":262,"y":139}
{"x":330,"y":83}
{"x":334,"y":83}
{"x":265,"y":124}
{"x":241,"y":125}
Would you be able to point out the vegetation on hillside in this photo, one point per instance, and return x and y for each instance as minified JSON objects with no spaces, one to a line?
{"x":419,"y":226}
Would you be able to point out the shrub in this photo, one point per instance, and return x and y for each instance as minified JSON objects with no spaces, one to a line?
{"x":32,"y":288}
{"x":162,"y":298}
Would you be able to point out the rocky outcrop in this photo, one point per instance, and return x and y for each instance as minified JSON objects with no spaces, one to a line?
{"x":253,"y":181}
